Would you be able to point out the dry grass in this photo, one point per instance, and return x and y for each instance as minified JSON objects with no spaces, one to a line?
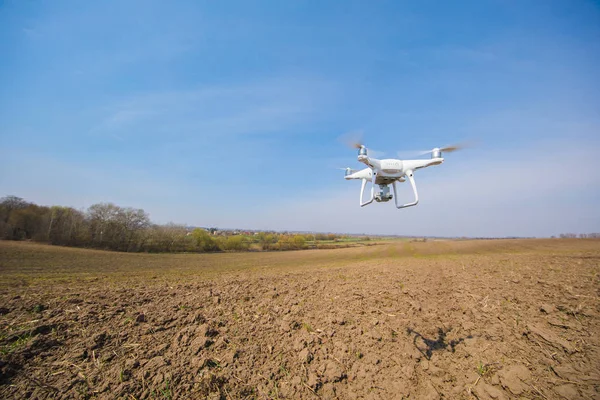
{"x":26,"y":263}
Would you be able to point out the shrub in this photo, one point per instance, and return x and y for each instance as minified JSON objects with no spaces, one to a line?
{"x":204,"y":240}
{"x":236,"y":243}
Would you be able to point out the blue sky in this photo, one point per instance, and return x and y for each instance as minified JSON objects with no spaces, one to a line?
{"x":229,"y":113}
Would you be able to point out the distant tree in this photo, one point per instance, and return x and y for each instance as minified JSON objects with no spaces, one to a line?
{"x":283,"y":243}
{"x":26,"y":222}
{"x":567,"y":235}
{"x":299,"y":242}
{"x":166,"y":239}
{"x":133,"y":221}
{"x":236,"y":243}
{"x":204,"y":241}
{"x":267,"y":240}
{"x":67,"y":226}
{"x":321,"y":236}
{"x":103,"y":224}
{"x":8,"y":205}
{"x":115,"y":227}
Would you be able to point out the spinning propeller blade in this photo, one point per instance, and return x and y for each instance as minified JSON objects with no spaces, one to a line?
{"x":450,"y":149}
{"x":353,"y":140}
{"x":446,"y":149}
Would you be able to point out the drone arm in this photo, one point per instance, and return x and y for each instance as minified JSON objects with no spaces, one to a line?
{"x":370,"y":162}
{"x":362,"y":191}
{"x":409,"y":174}
{"x":413,"y":165}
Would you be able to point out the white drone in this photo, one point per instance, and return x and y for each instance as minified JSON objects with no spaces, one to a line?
{"x":389,"y":171}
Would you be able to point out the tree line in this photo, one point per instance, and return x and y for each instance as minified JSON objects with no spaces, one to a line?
{"x":579,"y":235}
{"x":108,"y":226}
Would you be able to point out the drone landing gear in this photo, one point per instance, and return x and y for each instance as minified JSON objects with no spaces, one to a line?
{"x":385,"y":195}
{"x":409,"y":174}
{"x":362,"y":191}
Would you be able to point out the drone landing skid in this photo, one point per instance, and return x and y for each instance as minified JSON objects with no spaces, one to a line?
{"x":414,"y":188}
{"x":385,"y":197}
{"x":362,"y":191}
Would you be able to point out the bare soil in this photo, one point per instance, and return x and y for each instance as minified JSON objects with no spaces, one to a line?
{"x":501,"y":319}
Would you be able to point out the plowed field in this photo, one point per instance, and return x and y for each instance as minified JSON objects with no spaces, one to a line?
{"x":501,"y":319}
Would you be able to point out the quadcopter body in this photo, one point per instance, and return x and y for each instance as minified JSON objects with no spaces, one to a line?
{"x":383,"y":173}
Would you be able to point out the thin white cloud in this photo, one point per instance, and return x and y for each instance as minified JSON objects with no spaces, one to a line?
{"x":261,"y":107}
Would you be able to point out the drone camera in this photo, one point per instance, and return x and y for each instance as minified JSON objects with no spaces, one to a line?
{"x":384,"y":194}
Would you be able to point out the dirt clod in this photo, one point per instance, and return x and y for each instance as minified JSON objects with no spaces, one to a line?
{"x":333,"y":372}
{"x":305,"y":356}
{"x":98,"y":340}
{"x":491,"y":392}
{"x":313,"y":381}
{"x":548,"y":308}
{"x":515,"y":379}
{"x":568,"y":392}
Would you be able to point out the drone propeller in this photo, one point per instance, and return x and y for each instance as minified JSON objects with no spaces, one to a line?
{"x":353,"y":140}
{"x":446,"y":149}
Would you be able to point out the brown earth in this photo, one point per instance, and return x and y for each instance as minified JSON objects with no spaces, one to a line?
{"x":502,"y":319}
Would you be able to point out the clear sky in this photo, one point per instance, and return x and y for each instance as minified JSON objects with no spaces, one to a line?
{"x":228,"y":113}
